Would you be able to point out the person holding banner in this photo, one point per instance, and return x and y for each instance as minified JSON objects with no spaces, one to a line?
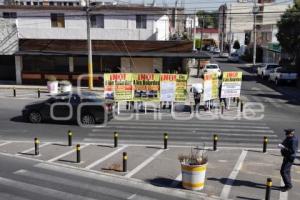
{"x":222,"y":99}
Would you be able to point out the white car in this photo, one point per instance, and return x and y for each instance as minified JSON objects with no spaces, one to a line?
{"x":234,"y":57}
{"x":279,"y":75}
{"x":216,"y":50}
{"x":265,"y":69}
{"x":224,"y":55}
{"x":212,"y":68}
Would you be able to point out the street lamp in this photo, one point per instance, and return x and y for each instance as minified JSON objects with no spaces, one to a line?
{"x":86,"y":5}
{"x":255,"y":12}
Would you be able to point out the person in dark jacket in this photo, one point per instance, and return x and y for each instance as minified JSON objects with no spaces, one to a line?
{"x":289,"y":149}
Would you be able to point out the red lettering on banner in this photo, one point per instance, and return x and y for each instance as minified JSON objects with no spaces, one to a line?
{"x":169,"y":77}
{"x":232,"y":74}
{"x":146,"y":77}
{"x":114,"y":77}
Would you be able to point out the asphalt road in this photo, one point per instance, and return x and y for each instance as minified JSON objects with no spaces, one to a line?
{"x":280,"y":104}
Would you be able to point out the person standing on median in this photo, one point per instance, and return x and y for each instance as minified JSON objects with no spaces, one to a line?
{"x":289,"y":148}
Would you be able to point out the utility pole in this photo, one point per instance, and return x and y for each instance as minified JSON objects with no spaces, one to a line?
{"x":255,"y":11}
{"x":230,"y":33}
{"x":202,"y":27}
{"x":194,"y":33}
{"x":223,"y":30}
{"x":89,"y":45}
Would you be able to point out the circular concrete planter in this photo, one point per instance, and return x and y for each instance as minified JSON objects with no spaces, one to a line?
{"x":52,"y":87}
{"x":193,"y":176}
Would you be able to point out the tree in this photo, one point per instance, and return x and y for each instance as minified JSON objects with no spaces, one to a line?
{"x":236,"y":45}
{"x":210,"y":18}
{"x":289,"y":31}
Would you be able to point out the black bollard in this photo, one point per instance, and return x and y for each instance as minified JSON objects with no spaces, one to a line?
{"x":116,"y":135}
{"x":78,"y":153}
{"x":166,"y":140}
{"x":36,"y":146}
{"x":215,"y":142}
{"x":125,"y":162}
{"x":39,"y":93}
{"x":265,"y":144}
{"x":268,"y":189}
{"x":70,"y":134}
{"x":237,"y":101}
{"x":14,"y":92}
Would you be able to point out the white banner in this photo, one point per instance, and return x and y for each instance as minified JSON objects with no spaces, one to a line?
{"x":231,"y":84}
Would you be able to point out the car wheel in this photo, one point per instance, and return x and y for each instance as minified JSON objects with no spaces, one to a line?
{"x":35,"y":117}
{"x":87,"y":119}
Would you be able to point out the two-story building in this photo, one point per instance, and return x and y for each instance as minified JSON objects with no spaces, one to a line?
{"x":49,"y":38}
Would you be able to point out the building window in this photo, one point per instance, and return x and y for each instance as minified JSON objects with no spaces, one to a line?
{"x":97,"y":21}
{"x":51,"y":3}
{"x":57,"y":20}
{"x":28,"y":3}
{"x":141,"y":21}
{"x":9,"y":15}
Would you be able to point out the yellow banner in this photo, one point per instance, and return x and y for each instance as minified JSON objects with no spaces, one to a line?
{"x":181,"y":87}
{"x":146,"y":87}
{"x":118,"y":86}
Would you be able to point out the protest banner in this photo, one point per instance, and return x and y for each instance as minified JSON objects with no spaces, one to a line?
{"x":231,"y":84}
{"x":118,"y":86}
{"x":211,"y":83}
{"x":146,"y":87}
{"x":181,"y":87}
{"x":167,"y":87}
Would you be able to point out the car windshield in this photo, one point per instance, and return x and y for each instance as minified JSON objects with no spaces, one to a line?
{"x":212,"y":67}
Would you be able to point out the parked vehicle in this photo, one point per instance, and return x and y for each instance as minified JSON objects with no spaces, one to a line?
{"x":265,"y":70}
{"x":280,"y":75}
{"x":212,"y":68}
{"x":234,"y":57}
{"x":224,"y":55}
{"x":64,"y":108}
{"x":216,"y":50}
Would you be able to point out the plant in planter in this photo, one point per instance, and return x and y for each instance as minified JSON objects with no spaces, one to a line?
{"x":193,"y":168}
{"x":52,"y":85}
{"x":65,"y":86}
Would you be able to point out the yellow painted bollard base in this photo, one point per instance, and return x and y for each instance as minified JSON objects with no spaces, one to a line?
{"x":193,"y":176}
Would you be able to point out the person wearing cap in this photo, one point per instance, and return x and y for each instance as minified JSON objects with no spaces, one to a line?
{"x":289,"y":149}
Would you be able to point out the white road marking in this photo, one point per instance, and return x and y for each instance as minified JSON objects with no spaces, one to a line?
{"x":41,"y":190}
{"x":72,"y":183}
{"x":131,"y":197}
{"x":283,"y":195}
{"x":177,"y":181}
{"x":66,"y":154}
{"x":226,"y":189}
{"x":5,"y":143}
{"x":143,"y":164}
{"x":97,"y":162}
{"x":31,"y":149}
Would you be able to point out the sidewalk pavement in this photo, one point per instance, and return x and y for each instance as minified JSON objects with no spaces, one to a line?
{"x":232,"y":173}
{"x":41,"y":87}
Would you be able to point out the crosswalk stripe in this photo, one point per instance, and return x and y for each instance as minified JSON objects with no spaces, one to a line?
{"x":143,"y":164}
{"x":188,"y":134}
{"x":97,"y":162}
{"x":172,"y":121}
{"x":41,"y":190}
{"x":66,"y":154}
{"x":134,"y":129}
{"x":186,"y":125}
{"x":74,"y":184}
{"x":195,"y":138}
